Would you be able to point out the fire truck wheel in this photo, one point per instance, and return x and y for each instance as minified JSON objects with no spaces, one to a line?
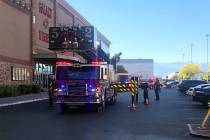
{"x":64,"y":108}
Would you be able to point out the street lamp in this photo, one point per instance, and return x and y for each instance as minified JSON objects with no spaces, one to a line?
{"x":207,"y":78}
{"x":183,"y":58}
{"x":191,"y":51}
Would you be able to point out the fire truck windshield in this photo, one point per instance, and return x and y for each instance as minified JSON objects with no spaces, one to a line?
{"x":77,"y":73}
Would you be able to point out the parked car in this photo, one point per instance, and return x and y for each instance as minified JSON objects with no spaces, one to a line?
{"x":191,"y":90}
{"x":184,"y":85}
{"x":171,"y":84}
{"x":202,"y":95}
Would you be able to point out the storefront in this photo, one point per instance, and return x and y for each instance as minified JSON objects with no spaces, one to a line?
{"x":25,"y":58}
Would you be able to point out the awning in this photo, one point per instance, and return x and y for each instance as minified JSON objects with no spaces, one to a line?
{"x":52,"y":58}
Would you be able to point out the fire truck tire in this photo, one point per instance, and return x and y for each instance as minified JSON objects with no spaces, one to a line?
{"x":64,"y":108}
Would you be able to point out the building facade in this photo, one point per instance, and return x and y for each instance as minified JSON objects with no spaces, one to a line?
{"x":24,"y":42}
{"x":144,"y":68}
{"x":15,"y":42}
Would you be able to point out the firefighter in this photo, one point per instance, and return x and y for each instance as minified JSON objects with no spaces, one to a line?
{"x":132,"y":90}
{"x":51,"y":85}
{"x":145,"y":87}
{"x":132,"y":101}
{"x":157,"y":89}
{"x":134,"y":80}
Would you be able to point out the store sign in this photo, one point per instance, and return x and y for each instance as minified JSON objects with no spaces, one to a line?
{"x":46,"y":17}
{"x":43,"y":36}
{"x":45,"y":10}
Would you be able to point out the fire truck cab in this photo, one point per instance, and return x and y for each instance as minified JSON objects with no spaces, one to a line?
{"x":84,"y":85}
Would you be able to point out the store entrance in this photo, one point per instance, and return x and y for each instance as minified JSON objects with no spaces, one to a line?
{"x":41,"y":74}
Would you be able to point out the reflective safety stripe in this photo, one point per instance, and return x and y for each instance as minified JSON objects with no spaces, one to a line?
{"x":122,"y":87}
{"x":132,"y":94}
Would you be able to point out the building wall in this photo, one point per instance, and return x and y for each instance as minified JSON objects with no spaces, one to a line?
{"x":43,"y":18}
{"x":25,"y":32}
{"x":63,"y":16}
{"x":15,"y":25}
{"x":15,"y":44}
{"x":144,"y":70}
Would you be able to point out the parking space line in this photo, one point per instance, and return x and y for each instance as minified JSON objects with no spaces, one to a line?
{"x":200,"y":118}
{"x":183,"y":102}
{"x":194,"y":113}
{"x":192,"y":109}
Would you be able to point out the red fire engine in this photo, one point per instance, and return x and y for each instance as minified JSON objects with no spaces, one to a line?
{"x":84,"y":85}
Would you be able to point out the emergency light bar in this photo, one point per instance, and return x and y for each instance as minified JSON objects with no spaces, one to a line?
{"x":98,"y":62}
{"x":63,"y":63}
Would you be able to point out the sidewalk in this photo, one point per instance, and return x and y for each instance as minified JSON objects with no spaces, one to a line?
{"x":8,"y":101}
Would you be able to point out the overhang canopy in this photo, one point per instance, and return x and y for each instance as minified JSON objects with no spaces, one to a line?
{"x":53,"y":57}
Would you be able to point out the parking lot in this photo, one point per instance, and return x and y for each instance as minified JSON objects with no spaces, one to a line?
{"x":166,"y":119}
{"x":193,"y":112}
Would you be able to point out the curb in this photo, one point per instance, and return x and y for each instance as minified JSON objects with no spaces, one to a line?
{"x":22,"y":102}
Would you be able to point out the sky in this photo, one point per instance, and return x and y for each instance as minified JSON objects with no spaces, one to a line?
{"x":151,"y":29}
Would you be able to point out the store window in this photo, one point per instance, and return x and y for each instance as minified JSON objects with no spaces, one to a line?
{"x":43,"y":68}
{"x":41,"y":73}
{"x":18,"y":73}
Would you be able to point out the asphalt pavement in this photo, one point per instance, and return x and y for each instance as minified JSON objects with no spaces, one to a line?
{"x":166,"y":119}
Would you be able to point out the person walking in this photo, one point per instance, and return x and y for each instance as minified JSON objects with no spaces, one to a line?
{"x":145,"y":87}
{"x":157,"y":89}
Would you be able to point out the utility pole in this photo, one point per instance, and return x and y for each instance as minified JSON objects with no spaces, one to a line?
{"x":207,"y":43}
{"x":183,"y":58}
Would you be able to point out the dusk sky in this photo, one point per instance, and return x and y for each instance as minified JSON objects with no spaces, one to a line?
{"x":157,"y":29}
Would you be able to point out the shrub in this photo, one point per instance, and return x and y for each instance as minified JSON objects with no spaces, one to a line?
{"x":36,"y":88}
{"x":2,"y":91}
{"x":24,"y":89}
{"x":16,"y":90}
{"x":29,"y":88}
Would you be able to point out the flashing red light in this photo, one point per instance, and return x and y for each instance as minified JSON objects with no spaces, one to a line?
{"x":96,"y":62}
{"x":130,"y":85}
{"x":63,"y":63}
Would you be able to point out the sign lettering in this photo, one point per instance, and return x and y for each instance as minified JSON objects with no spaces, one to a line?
{"x":45,"y":10}
{"x":43,"y":36}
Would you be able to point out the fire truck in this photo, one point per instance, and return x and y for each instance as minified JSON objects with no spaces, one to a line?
{"x":84,"y":85}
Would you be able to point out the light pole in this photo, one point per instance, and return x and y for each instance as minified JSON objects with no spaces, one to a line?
{"x":191,"y":51}
{"x":207,"y":43}
{"x":183,"y":58}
